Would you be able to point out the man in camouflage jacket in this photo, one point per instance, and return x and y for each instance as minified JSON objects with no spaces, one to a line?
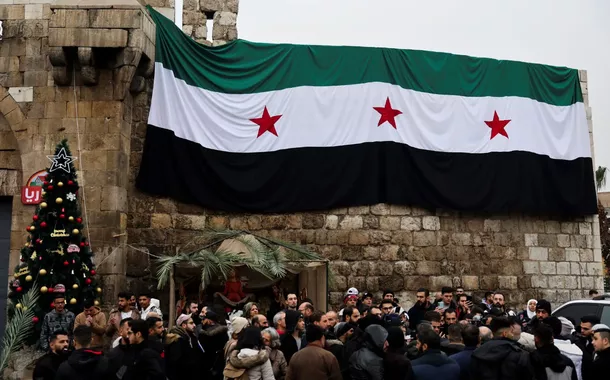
{"x":57,"y":319}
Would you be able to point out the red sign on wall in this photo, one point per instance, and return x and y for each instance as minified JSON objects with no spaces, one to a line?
{"x":31,"y":193}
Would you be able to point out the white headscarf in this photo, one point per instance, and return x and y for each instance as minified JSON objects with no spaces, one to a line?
{"x":530,"y":314}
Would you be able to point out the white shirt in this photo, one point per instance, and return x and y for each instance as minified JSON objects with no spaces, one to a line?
{"x":572,"y":351}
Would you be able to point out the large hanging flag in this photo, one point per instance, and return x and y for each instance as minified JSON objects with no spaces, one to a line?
{"x":256,"y":127}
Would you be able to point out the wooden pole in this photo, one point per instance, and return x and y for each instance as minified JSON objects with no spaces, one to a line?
{"x":172,"y":298}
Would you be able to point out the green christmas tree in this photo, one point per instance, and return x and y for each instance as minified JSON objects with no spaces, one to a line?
{"x":57,"y":252}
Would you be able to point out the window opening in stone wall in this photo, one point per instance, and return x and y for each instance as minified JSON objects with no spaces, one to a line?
{"x":209,"y":24}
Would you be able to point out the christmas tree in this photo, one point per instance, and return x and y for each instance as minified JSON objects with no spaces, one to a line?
{"x":57,"y":252}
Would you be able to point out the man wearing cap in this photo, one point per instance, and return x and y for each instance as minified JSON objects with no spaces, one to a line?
{"x":57,"y":319}
{"x":599,"y":368}
{"x":350,"y":299}
{"x":291,"y":340}
{"x":367,"y":299}
{"x":543,"y":311}
{"x":184,"y":354}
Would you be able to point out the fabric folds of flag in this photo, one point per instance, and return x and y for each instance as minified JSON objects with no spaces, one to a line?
{"x":253,"y":127}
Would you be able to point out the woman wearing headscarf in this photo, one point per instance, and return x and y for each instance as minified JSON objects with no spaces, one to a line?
{"x":250,"y":354}
{"x":526,"y":315}
{"x":271,"y":339}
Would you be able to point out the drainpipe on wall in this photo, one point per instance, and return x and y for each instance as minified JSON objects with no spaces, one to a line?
{"x":178,"y":7}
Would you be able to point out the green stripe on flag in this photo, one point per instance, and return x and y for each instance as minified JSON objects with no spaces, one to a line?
{"x":242,"y":67}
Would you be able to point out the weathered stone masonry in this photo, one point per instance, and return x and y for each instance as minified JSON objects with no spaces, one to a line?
{"x":109,"y":49}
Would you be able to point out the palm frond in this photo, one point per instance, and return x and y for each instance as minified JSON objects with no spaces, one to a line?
{"x":19,"y":327}
{"x":600,"y":177}
{"x":294,"y":251}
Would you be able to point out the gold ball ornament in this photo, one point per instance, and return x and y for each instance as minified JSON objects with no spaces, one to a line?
{"x":96,"y":303}
{"x":43,"y":204}
{"x":18,"y":306}
{"x":75,"y":286}
{"x":25,"y":308}
{"x":32,"y":228}
{"x":27,"y":245}
{"x":60,"y":184}
{"x":28,"y":278}
{"x":42,"y":272}
{"x":73,"y":301}
{"x":75,"y":231}
{"x":59,"y":200}
{"x":99,"y":290}
{"x":44,"y":289}
{"x":71,"y":218}
{"x":43,"y":193}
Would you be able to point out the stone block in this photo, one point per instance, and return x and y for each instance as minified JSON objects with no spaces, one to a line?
{"x":332,"y":222}
{"x":399,"y":210}
{"x":33,"y":11}
{"x":570,"y":282}
{"x":87,"y":37}
{"x":587,"y":282}
{"x":22,"y":94}
{"x":428,"y":268}
{"x":563,"y":240}
{"x":540,"y":282}
{"x":531,"y":240}
{"x":431,"y":223}
{"x":411,"y":223}
{"x":313,"y":221}
{"x":35,"y":78}
{"x":370,"y":222}
{"x":389,"y":252}
{"x":586,"y":255}
{"x":552,"y":227}
{"x":358,"y":210}
{"x":424,"y":238}
{"x":461,"y":238}
{"x":539,"y":253}
{"x":380,"y":209}
{"x":55,"y":110}
{"x":389,"y":223}
{"x":548,"y":267}
{"x":578,"y":241}
{"x":437,"y":282}
{"x":12,"y":12}
{"x":584,"y":228}
{"x":594,"y":269}
{"x":188,"y":30}
{"x":572,"y":254}
{"x":507,"y":282}
{"x":350,"y":222}
{"x":531,"y":267}
{"x":160,"y":221}
{"x":113,"y":198}
{"x":115,"y":18}
{"x":470,"y":282}
{"x":491,"y":225}
{"x":563,"y":268}
{"x":575,"y":268}
{"x":359,"y":238}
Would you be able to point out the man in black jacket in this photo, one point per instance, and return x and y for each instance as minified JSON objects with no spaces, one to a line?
{"x":47,"y":365}
{"x":213,"y":337}
{"x":141,"y":362}
{"x":547,"y":360}
{"x":184,"y":353}
{"x":417,"y":312}
{"x":85,"y":362}
{"x":501,"y":358}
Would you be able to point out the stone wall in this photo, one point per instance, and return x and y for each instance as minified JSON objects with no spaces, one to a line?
{"x":85,"y":66}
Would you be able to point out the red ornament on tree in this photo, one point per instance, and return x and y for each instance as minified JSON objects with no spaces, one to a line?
{"x":88,"y":281}
{"x":82,"y":244}
{"x":86,"y":244}
{"x":52,"y":305}
{"x":27,"y":228}
{"x":46,"y":182}
{"x":70,"y":182}
{"x":43,"y":224}
{"x":38,"y":241}
{"x":66,"y":263}
{"x":35,"y":319}
{"x":19,"y":289}
{"x":22,"y":259}
{"x":61,"y":216}
{"x":50,"y":187}
{"x":50,"y":290}
{"x":93,"y":272}
{"x":35,"y":217}
{"x":79,"y":220}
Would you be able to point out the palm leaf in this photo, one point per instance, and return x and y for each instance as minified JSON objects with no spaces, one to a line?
{"x":20,"y":327}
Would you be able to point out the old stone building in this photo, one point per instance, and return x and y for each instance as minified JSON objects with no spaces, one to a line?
{"x":82,"y":69}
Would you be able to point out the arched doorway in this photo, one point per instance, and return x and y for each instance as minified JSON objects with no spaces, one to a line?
{"x":10,"y":188}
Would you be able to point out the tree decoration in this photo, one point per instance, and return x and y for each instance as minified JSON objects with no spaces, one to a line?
{"x":55,"y":251}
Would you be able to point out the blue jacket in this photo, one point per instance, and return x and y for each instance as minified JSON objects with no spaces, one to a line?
{"x":463,"y":360}
{"x":433,"y":364}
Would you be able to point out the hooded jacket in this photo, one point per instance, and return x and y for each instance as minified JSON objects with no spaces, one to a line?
{"x":573,"y":352}
{"x":500,"y":359}
{"x":84,"y":364}
{"x":550,"y":364}
{"x":367,"y":362}
{"x":184,"y":354}
{"x":98,"y":325}
{"x":256,"y":363}
{"x":434,"y":364}
{"x":337,"y":348}
{"x":139,"y":362}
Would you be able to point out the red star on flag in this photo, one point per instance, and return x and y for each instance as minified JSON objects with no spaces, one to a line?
{"x":387,"y":113}
{"x":497,"y":126}
{"x":266,"y":123}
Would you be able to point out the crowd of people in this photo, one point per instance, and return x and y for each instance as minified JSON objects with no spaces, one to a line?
{"x":447,"y":336}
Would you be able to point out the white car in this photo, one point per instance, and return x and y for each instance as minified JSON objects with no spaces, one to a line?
{"x":574,"y":310}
